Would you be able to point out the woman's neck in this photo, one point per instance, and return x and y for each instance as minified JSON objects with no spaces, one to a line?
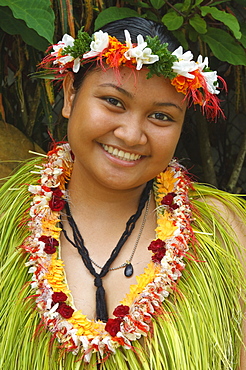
{"x":87,"y":195}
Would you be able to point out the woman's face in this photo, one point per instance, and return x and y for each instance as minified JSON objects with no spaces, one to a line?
{"x":123,"y":130}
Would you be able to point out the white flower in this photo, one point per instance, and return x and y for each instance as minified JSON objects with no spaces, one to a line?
{"x":212,"y":81}
{"x":67,"y":40}
{"x":142,"y":54}
{"x":128,"y":39}
{"x":202,"y":64}
{"x":100,"y":42}
{"x":210,"y":77}
{"x":185,"y":64}
{"x":35,"y":189}
{"x":32,"y":269}
{"x":76,"y":65}
{"x":111,"y":345}
{"x":34,"y":285}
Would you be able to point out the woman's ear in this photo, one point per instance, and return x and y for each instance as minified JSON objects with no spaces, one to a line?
{"x":69,"y":95}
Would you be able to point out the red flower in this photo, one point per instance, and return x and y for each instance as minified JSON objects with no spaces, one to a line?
{"x":121,"y":311}
{"x":158,"y":248}
{"x":157,"y":257}
{"x":59,"y":297}
{"x":57,"y":202}
{"x":65,"y":310}
{"x":168,"y":199}
{"x":50,"y":244}
{"x":174,"y":206}
{"x":113,"y":326}
{"x":57,"y":192}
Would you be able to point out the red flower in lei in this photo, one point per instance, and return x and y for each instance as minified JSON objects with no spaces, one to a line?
{"x":50,"y":244}
{"x":113,"y":325}
{"x":57,"y":202}
{"x":121,"y":311}
{"x":168,"y":201}
{"x":158,"y":248}
{"x":59,"y":297}
{"x":65,"y":310}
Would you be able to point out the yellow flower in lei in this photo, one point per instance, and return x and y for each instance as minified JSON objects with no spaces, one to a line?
{"x":166,"y":227}
{"x":150,"y":272}
{"x":55,"y":276}
{"x":49,"y":228}
{"x":85,"y":326}
{"x":165,"y":182}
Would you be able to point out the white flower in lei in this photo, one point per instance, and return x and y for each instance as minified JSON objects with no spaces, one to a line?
{"x":185,"y":64}
{"x":100,"y":42}
{"x":142,"y":54}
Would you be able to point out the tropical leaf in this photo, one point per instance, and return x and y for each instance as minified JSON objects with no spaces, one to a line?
{"x":112,"y":14}
{"x":172,"y":20}
{"x":186,"y":5}
{"x":157,"y":4}
{"x":243,"y":38}
{"x":228,"y":19}
{"x":15,"y":26}
{"x":198,"y":24}
{"x":224,"y":46}
{"x":38,"y":15}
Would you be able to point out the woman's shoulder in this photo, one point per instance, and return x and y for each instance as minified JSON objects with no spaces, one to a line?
{"x":225,"y":213}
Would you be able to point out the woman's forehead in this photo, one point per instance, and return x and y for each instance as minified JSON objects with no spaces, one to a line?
{"x":132,"y":83}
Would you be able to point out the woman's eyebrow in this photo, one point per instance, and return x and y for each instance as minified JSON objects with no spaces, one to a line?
{"x":167,"y":104}
{"x":129,"y":95}
{"x":120,"y":89}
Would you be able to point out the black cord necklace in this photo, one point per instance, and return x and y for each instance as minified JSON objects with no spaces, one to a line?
{"x":78,"y":243}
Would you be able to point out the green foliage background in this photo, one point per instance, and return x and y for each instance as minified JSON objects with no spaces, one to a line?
{"x":27,"y":27}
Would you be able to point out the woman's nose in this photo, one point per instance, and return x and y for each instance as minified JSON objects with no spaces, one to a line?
{"x":131,"y":131}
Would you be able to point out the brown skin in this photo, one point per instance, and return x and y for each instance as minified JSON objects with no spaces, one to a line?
{"x":135,"y":115}
{"x":141,"y":117}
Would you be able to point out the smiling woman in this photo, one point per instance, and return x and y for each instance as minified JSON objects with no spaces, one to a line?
{"x":127,"y":262}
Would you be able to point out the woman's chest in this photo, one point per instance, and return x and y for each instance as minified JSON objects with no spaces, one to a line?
{"x":116,"y":285}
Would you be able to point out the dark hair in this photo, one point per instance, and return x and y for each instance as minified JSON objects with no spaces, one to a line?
{"x":135,"y":26}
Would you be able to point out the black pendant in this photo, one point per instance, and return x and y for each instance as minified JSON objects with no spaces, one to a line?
{"x":128,"y":270}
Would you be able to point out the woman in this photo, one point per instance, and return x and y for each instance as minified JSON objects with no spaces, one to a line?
{"x":170,"y":293}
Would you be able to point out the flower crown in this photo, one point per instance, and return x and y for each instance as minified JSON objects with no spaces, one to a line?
{"x":194,"y":79}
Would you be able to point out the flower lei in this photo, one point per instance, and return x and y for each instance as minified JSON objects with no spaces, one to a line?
{"x":193,"y":79}
{"x":54,"y":302}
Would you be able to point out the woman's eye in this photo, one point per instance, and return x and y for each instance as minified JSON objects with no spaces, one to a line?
{"x":160,"y":116}
{"x":114,"y":102}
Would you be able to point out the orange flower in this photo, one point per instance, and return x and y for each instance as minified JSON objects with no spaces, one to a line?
{"x":183,"y":84}
{"x":115,"y":53}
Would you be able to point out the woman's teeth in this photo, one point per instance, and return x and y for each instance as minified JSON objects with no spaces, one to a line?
{"x":126,"y":156}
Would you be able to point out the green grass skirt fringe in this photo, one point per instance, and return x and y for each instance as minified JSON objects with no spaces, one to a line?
{"x":200,"y":328}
